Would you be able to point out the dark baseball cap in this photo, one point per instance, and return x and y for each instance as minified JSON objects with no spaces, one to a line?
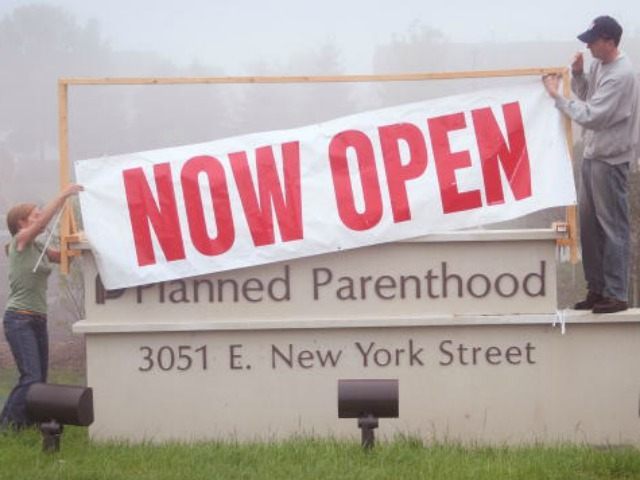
{"x":602,"y":27}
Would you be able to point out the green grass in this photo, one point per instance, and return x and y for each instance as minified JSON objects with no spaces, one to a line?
{"x":21,"y":457}
{"x":405,"y":458}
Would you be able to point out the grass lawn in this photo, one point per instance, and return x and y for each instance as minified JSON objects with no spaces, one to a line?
{"x":21,"y":458}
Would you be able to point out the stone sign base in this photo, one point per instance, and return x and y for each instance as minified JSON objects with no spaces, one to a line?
{"x":463,"y":320}
{"x":503,"y":383}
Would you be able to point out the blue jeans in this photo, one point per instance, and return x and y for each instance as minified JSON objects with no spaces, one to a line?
{"x":29,"y":341}
{"x":604,"y":227}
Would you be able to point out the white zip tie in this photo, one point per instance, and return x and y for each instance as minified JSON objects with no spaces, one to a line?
{"x":46,"y":244}
{"x":561,"y":317}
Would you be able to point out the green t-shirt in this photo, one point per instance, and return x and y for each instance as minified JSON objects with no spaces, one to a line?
{"x":28,"y":290}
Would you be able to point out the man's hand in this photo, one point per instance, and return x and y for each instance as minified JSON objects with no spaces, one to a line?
{"x":577,"y":66}
{"x":551,"y":83}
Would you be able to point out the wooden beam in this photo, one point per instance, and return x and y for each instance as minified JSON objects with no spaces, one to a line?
{"x":401,"y":77}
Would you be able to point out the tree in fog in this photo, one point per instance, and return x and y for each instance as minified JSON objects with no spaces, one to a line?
{"x":8,"y":187}
{"x":420,"y":49}
{"x":39,"y":44}
{"x":162,"y":116}
{"x":279,"y":106}
{"x":318,"y":102}
{"x":634,"y":209}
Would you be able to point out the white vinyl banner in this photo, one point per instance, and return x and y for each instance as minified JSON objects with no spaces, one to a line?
{"x":374,"y":177}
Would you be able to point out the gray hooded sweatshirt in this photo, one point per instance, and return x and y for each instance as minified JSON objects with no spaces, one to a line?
{"x":607,"y":108}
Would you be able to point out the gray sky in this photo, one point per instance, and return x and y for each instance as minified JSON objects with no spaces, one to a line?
{"x":234,"y":34}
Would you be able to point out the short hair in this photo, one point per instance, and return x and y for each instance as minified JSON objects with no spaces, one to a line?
{"x":17,"y":213}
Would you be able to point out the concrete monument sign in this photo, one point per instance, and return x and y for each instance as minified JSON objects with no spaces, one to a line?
{"x":463,"y":320}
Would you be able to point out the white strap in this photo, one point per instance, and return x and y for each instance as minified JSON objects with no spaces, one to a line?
{"x":561,"y":318}
{"x":46,"y":244}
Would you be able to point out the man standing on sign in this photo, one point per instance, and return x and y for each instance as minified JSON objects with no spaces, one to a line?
{"x":607,"y":109}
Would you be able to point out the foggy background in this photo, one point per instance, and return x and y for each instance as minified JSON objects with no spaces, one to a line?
{"x":40,"y":42}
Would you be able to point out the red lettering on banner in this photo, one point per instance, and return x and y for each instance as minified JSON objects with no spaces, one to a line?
{"x":494,"y":152}
{"x":274,"y":189}
{"x":225,"y":232}
{"x":397,"y":173}
{"x":163,"y":215}
{"x":368,"y":175}
{"x":447,"y":162}
{"x":258,"y":206}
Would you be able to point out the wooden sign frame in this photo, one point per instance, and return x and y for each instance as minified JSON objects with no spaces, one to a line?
{"x":69,"y":232}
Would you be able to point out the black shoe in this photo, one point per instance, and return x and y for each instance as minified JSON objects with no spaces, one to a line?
{"x":610,"y":305}
{"x":589,"y":302}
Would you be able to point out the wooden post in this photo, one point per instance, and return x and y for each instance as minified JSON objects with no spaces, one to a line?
{"x":571,"y":213}
{"x":66,"y":220}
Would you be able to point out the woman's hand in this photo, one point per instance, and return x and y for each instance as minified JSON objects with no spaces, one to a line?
{"x":71,"y":189}
{"x":36,"y":226}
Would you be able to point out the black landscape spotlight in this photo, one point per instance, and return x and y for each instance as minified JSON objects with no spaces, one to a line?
{"x":367,"y":400}
{"x":54,"y":406}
